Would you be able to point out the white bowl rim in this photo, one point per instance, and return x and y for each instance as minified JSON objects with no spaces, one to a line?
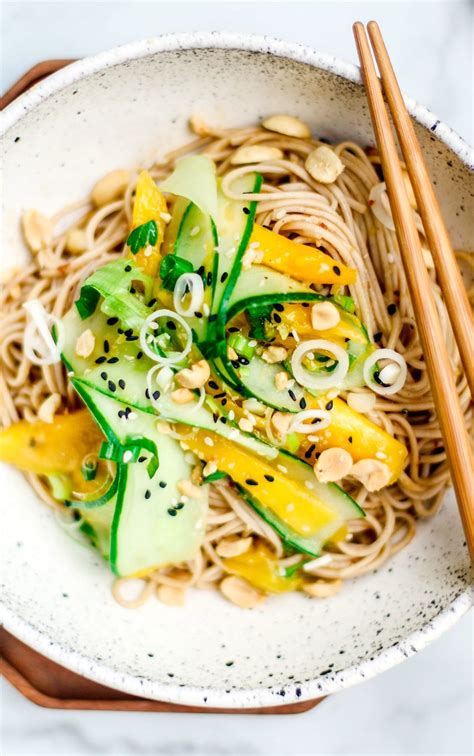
{"x":192,"y":695}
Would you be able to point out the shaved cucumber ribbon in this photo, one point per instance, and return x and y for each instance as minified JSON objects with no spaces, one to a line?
{"x":195,"y":179}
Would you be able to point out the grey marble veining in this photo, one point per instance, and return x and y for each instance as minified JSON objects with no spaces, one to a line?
{"x":424,"y":705}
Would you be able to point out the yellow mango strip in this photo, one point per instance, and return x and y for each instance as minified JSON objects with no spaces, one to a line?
{"x":298,"y":317}
{"x":260,"y":567}
{"x":296,"y":505}
{"x":299,"y":261}
{"x":57,"y":447}
{"x":357,"y":434}
{"x":148,"y":205}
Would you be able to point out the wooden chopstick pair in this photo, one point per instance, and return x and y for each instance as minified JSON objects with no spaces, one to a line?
{"x":448,"y":408}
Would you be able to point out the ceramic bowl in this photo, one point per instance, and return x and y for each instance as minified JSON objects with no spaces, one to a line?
{"x":126,"y":106}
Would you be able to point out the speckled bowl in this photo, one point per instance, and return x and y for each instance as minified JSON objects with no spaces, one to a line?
{"x":125,"y":106}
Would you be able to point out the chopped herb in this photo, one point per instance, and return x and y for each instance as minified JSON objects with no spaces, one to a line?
{"x":143,"y":235}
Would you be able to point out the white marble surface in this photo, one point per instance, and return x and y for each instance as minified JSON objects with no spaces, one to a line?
{"x":423,"y":706}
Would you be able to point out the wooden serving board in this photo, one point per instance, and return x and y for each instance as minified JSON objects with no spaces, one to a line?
{"x":41,"y":680}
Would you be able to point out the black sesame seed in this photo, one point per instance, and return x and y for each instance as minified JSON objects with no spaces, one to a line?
{"x":246,"y":210}
{"x":278,"y":307}
{"x":112,"y":386}
{"x":212,"y":318}
{"x":141,"y":459}
{"x":120,"y":413}
{"x":132,"y":338}
{"x":121,"y":383}
{"x":172,"y":512}
{"x":350,"y":439}
{"x":330,"y":405}
{"x":120,"y":330}
{"x":147,"y":393}
{"x":244,"y":361}
{"x":270,"y":478}
{"x":224,"y":277}
{"x":100,"y":360}
{"x":103,"y":375}
{"x":209,"y":278}
{"x":378,"y":336}
{"x":156,"y":395}
{"x":162,"y":484}
{"x":112,"y":321}
{"x":147,"y":494}
{"x":303,"y":403}
{"x":292,"y":395}
{"x":251,"y":482}
{"x":404,"y":412}
{"x":213,"y":385}
{"x":391,"y":309}
{"x":215,"y":417}
{"x":276,"y":317}
{"x":139,"y":355}
{"x":224,"y":402}
{"x":179,"y":505}
{"x":198,"y":314}
{"x":112,"y":360}
{"x":152,"y":302}
{"x":336,"y":270}
{"x":223,"y":420}
{"x":128,"y":268}
{"x":233,"y":329}
{"x":132,"y":290}
{"x":171,"y":325}
{"x":106,"y":346}
{"x":129,"y":332}
{"x":305,"y":304}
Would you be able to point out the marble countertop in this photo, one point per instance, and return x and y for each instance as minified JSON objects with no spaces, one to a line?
{"x":424,"y":705}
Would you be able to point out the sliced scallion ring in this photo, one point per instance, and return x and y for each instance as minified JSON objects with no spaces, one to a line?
{"x":147,"y":330}
{"x":319,"y":380}
{"x":321,"y":419}
{"x":188,"y":283}
{"x":378,"y":386}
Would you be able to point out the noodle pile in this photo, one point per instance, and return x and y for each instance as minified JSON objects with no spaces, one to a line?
{"x":337,"y":217}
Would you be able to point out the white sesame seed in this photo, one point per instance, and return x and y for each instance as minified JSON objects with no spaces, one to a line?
{"x":208,"y":441}
{"x":194,"y":231}
{"x":231,"y":415}
{"x":290,"y":507}
{"x":235,"y":433}
{"x":205,"y":309}
{"x":127,"y":456}
{"x":309,"y":485}
{"x":282,"y":468}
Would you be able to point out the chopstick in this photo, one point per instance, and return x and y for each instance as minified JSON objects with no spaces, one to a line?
{"x":443,"y":387}
{"x":447,"y":268}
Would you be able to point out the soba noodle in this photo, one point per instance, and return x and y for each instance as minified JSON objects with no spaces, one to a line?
{"x":336,"y":216}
